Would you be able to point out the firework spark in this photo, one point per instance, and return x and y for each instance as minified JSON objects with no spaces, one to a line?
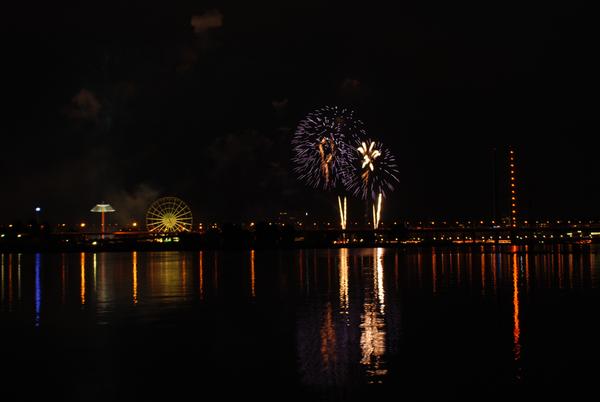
{"x":369,"y":154}
{"x":321,"y":150}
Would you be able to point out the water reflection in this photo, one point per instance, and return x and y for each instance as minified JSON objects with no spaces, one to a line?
{"x":343,"y":268}
{"x":10,"y":287}
{"x":2,"y":277}
{"x":372,"y":338}
{"x":94,"y":266}
{"x":168,"y":276}
{"x":252,"y":275}
{"x":19,"y":277}
{"x":433,"y":271}
{"x":328,"y":340}
{"x":216,"y":272}
{"x":495,"y":263}
{"x":183,"y":270}
{"x":595,"y":267}
{"x":343,"y":305}
{"x":134,"y":274}
{"x":201,"y":274}
{"x":516,"y":321}
{"x":527,"y":275}
{"x":63,"y":279}
{"x":38,"y":289}
{"x":82,"y":281}
{"x":482,"y":263}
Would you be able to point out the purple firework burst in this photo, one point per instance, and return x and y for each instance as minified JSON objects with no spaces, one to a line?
{"x":322,"y":154}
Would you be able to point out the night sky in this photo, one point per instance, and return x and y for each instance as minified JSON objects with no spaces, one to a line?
{"x":126,"y":101}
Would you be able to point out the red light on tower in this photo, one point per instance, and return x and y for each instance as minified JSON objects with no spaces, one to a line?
{"x":513,"y":187}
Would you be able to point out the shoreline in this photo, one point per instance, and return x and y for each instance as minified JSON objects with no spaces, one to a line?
{"x":197,"y":247}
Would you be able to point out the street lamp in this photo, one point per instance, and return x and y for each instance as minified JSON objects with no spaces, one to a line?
{"x":37,"y":214}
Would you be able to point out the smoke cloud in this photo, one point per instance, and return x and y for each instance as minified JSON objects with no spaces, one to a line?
{"x":132,"y":205}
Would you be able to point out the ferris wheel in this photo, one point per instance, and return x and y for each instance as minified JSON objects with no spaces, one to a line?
{"x":168,"y":215}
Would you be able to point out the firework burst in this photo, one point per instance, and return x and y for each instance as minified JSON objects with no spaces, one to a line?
{"x":373,"y":174}
{"x":375,"y":170}
{"x":322,"y":153}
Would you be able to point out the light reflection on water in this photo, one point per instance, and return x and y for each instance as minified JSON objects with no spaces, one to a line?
{"x":516,"y":323}
{"x":348,"y":304}
{"x":252,"y":275}
{"x":82,"y":281}
{"x":38,"y":290}
{"x":134,"y":274}
{"x":372,"y":337}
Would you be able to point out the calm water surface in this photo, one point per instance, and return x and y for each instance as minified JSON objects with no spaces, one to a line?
{"x":358,"y":324}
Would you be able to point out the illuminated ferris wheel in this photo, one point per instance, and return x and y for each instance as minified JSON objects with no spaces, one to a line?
{"x":169,"y":215}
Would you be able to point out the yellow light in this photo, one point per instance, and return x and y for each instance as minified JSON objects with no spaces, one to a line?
{"x":134,"y":224}
{"x":82,"y":224}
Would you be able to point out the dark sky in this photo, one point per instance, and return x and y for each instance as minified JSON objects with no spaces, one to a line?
{"x":125,"y":101}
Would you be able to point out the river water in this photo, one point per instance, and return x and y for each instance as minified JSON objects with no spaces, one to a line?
{"x":327,"y":324}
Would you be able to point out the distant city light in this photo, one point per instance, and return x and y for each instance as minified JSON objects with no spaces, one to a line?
{"x":38,"y":209}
